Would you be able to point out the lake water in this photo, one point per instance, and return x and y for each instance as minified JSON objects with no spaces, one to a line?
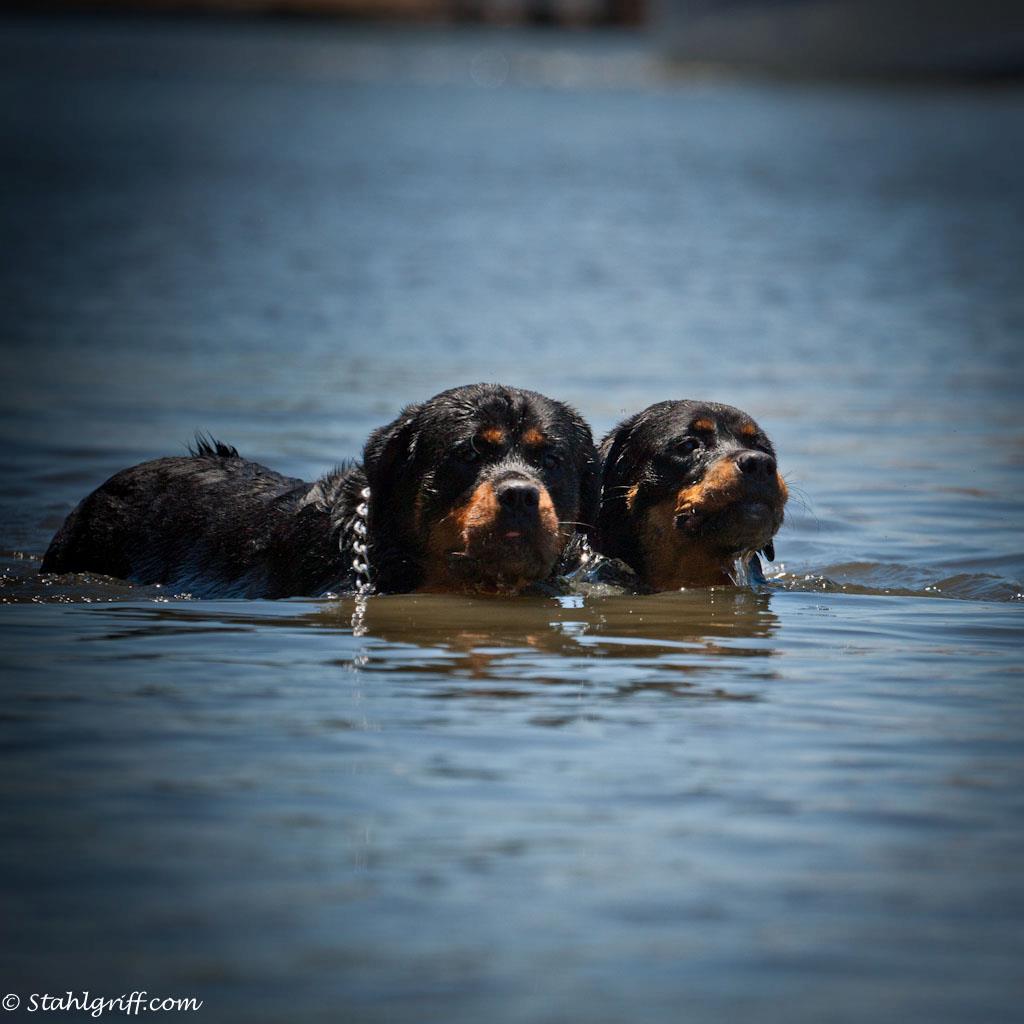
{"x":801,"y":802}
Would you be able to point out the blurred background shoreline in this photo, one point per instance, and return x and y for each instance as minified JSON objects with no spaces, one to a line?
{"x":913,"y":40}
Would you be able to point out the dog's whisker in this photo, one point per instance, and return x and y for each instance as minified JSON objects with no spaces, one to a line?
{"x":800,"y":496}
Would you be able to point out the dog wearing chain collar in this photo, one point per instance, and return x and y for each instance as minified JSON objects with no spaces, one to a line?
{"x":688,"y":489}
{"x":481,"y":488}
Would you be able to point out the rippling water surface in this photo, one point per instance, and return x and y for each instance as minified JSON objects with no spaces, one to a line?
{"x":799,"y":801}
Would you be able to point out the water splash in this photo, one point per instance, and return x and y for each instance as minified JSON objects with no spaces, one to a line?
{"x":746,"y":571}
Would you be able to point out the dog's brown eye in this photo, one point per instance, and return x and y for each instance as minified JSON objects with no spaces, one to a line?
{"x":687,"y":446}
{"x":467,"y":455}
{"x":550,"y":460}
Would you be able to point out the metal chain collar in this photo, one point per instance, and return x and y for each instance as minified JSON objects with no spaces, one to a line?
{"x":361,"y":559}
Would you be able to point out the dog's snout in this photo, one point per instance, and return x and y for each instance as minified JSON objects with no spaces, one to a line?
{"x":756,"y":465}
{"x":519,"y":497}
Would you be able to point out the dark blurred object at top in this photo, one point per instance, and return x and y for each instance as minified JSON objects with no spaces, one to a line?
{"x":848,"y":38}
{"x":912,"y":39}
{"x":577,"y":13}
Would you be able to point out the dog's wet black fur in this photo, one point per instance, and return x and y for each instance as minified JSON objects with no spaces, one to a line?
{"x":687,"y":489}
{"x":479,"y":488}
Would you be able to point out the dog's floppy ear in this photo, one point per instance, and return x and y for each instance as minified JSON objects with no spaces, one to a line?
{"x":590,"y":478}
{"x":614,"y":537}
{"x":388,"y":451}
{"x":612,"y":448}
{"x":590,"y":493}
{"x":387,"y":462}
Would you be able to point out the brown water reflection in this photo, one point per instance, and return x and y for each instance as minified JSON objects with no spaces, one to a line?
{"x":626,"y":626}
{"x":660,"y":643}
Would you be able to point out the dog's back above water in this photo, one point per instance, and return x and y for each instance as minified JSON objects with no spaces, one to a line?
{"x":210,"y":523}
{"x":481,"y":488}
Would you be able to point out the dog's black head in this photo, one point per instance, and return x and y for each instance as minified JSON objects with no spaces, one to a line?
{"x":480,"y":487}
{"x":687,"y":488}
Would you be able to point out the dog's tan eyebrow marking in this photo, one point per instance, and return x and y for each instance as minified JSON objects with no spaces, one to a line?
{"x":534,"y":436}
{"x":703,"y":424}
{"x":631,"y":496}
{"x":748,"y":429}
{"x":493,"y":435}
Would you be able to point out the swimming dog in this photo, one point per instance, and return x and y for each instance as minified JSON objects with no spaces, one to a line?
{"x":688,"y":488}
{"x":481,"y":488}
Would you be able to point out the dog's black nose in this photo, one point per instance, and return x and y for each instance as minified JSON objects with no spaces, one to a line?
{"x":520,"y":497}
{"x":756,"y":465}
